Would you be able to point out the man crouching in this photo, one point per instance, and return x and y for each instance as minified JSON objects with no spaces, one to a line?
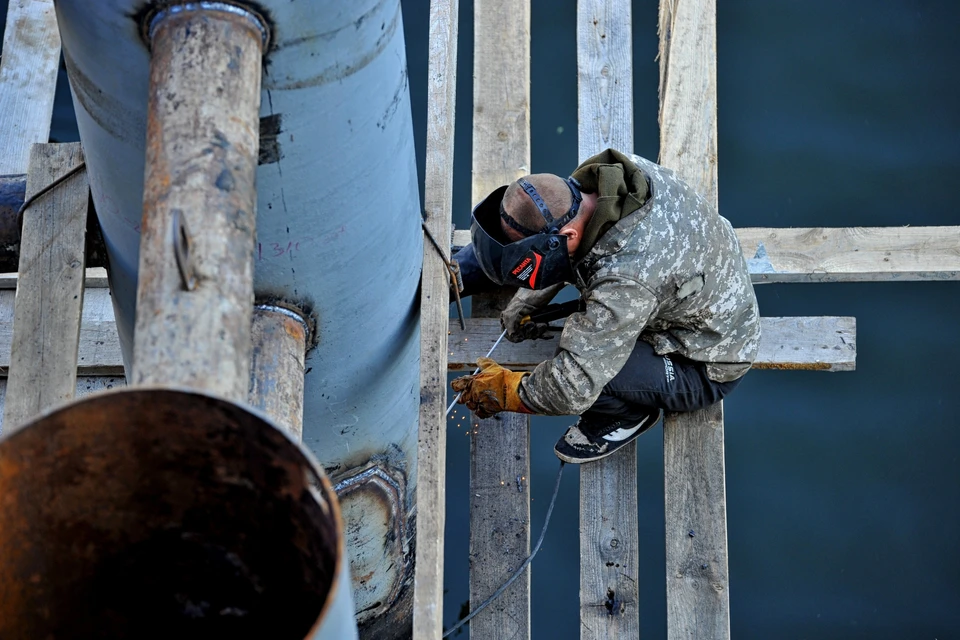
{"x":670,"y":319}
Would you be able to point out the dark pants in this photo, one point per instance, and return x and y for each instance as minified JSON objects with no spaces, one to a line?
{"x":670,"y":382}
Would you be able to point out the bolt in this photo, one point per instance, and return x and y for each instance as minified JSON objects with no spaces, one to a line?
{"x":691,"y":533}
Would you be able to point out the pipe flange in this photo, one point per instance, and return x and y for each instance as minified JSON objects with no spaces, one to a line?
{"x":154,"y":17}
{"x":293,"y":312}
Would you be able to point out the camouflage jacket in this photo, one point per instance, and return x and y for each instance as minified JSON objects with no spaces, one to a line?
{"x":671,"y":273}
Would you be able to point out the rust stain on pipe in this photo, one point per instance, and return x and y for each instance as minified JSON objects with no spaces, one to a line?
{"x":149,"y":513}
{"x":201,"y":159}
{"x":279,"y":338}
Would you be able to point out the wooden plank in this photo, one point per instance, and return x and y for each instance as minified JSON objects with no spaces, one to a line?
{"x":99,"y":350}
{"x":813,"y":343}
{"x":46,"y":324}
{"x":698,"y":594}
{"x":609,"y":533}
{"x":434,"y":313}
{"x":500,"y":447}
{"x":808,"y":343}
{"x":28,"y":80}
{"x":95,"y":277}
{"x":855,"y":254}
{"x":86,"y":385}
{"x":698,"y":587}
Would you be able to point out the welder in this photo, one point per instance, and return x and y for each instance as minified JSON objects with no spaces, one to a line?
{"x":669,"y":319}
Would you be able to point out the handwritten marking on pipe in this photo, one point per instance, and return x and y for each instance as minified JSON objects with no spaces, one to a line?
{"x":273,"y":250}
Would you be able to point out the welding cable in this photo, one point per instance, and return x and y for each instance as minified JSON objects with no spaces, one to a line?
{"x":516,"y":574}
{"x":477,"y":370}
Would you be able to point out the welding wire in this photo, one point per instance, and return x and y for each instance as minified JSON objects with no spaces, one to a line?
{"x":450,"y":408}
{"x":516,"y":574}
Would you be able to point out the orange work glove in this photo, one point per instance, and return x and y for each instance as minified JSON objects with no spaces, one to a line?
{"x":491,"y":390}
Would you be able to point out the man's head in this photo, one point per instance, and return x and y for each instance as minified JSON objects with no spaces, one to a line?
{"x":556,"y":194}
{"x":525,"y":234}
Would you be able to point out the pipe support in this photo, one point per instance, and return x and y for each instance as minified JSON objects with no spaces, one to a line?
{"x":201,"y":160}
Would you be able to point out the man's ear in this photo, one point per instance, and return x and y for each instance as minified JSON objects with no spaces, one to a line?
{"x":571,"y":232}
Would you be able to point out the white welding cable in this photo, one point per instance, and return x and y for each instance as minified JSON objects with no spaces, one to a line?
{"x":450,"y":408}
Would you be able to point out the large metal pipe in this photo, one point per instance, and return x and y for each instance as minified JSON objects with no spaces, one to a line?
{"x":163,"y":513}
{"x":280,"y":337}
{"x":195,"y":294}
{"x":195,"y":516}
{"x":338,"y":232}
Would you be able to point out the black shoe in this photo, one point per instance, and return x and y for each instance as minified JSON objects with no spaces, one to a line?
{"x":586,"y":442}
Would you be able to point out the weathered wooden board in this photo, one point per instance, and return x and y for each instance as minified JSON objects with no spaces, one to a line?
{"x":99,"y":350}
{"x":500,"y":451}
{"x":826,"y":343}
{"x":609,"y":533}
{"x":696,"y":517}
{"x":28,"y":80}
{"x":814,"y":343}
{"x":855,"y":254}
{"x":96,"y":277}
{"x":698,"y":593}
{"x":434,"y":312}
{"x":86,"y":385}
{"x":852,"y":254}
{"x":46,"y":325}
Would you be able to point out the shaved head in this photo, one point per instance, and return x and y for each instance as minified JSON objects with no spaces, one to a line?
{"x":518,"y":205}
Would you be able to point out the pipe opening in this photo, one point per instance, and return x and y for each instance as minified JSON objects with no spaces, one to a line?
{"x":149,"y":513}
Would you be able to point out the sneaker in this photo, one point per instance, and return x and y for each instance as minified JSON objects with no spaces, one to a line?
{"x":585,"y":442}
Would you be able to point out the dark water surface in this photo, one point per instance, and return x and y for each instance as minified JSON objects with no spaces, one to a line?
{"x":843,"y":489}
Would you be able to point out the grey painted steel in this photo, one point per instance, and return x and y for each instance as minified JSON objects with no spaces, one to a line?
{"x":338,"y":225}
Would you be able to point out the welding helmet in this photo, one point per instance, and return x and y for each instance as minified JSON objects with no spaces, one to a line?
{"x":540,"y":259}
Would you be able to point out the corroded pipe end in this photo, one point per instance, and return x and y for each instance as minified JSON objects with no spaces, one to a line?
{"x":155,"y":15}
{"x":153,"y":512}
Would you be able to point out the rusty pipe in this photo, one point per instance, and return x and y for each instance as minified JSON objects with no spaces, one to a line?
{"x":195,"y":289}
{"x":153,"y":512}
{"x":279,"y":337}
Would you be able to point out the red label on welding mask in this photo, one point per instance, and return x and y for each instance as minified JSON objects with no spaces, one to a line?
{"x":527,"y":269}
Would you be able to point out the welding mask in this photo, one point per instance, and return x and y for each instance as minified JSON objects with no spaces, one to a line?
{"x":540,"y":259}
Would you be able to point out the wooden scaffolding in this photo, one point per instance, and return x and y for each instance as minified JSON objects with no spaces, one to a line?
{"x":694,"y":479}
{"x":50,"y":335}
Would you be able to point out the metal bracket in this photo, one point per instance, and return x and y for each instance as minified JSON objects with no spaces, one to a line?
{"x":181,"y":250}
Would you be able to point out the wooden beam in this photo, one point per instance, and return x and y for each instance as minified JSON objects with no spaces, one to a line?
{"x":95,"y":277}
{"x":814,"y":343}
{"x":99,"y":346}
{"x":86,"y":385}
{"x":500,"y":446}
{"x":609,"y":532}
{"x":434,"y":314}
{"x":28,"y":80}
{"x":855,"y":254}
{"x":698,"y":593}
{"x":811,"y":343}
{"x":46,"y":323}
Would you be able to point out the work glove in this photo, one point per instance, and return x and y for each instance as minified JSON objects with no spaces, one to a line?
{"x":523,"y":303}
{"x":491,"y":390}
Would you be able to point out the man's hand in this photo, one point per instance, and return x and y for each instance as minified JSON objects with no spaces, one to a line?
{"x":492,"y":390}
{"x":511,"y":319}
